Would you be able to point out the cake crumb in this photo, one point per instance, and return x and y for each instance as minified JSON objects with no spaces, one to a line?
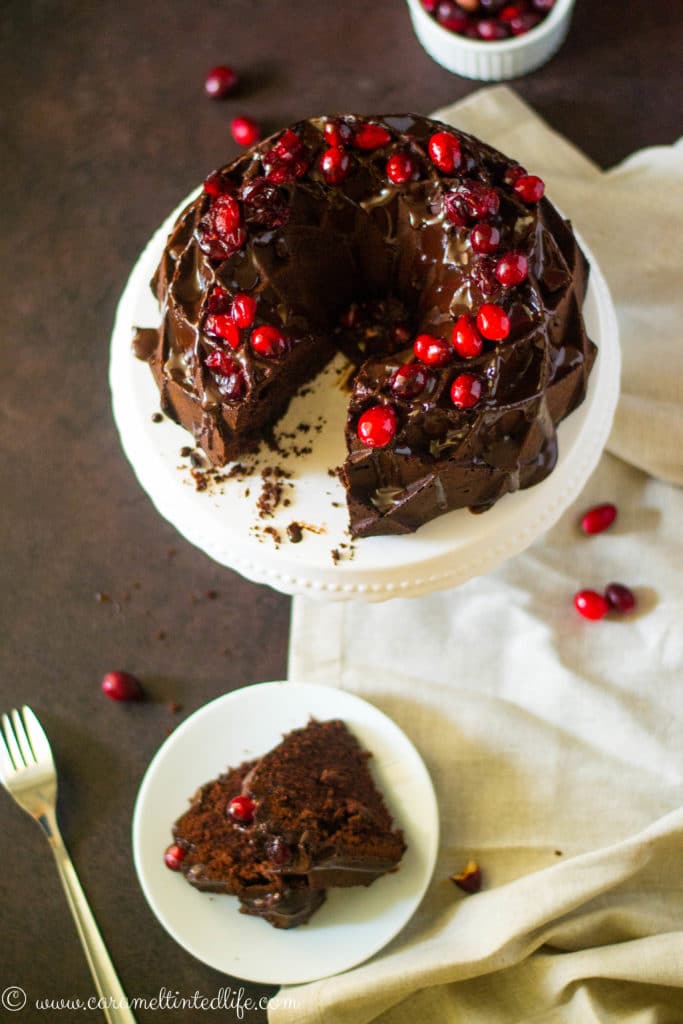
{"x":294,"y":533}
{"x":174,"y":707}
{"x":101,"y":597}
{"x":157,"y":417}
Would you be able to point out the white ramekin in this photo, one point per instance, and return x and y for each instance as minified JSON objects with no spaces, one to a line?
{"x":492,"y":61}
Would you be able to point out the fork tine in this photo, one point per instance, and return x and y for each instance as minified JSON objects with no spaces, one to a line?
{"x":11,"y":741}
{"x":36,"y":735}
{"x":6,"y":767}
{"x":22,"y":738}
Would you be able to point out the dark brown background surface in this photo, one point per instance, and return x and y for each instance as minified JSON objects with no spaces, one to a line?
{"x":104,"y":128}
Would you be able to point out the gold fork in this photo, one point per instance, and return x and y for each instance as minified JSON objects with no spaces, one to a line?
{"x":27,"y":771}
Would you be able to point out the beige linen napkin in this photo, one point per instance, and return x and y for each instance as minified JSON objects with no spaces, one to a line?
{"x":555,"y":744}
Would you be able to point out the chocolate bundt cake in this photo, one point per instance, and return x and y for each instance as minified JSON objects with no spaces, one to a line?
{"x":278,"y":831}
{"x":431,"y":260}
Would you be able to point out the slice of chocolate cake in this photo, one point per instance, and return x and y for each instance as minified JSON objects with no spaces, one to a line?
{"x":317,"y":804}
{"x":218,"y":851}
{"x":277,"y":831}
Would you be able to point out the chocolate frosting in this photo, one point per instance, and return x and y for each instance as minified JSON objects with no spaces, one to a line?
{"x":309,"y":250}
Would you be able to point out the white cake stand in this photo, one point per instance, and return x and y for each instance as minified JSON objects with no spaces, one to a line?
{"x":224,"y":522}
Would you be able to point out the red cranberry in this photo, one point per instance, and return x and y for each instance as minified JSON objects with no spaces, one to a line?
{"x":598,"y":518}
{"x":450,"y":16}
{"x":401,"y":167}
{"x":543,"y":5}
{"x":429,"y":5}
{"x":215,"y":184}
{"x":466,"y":391}
{"x":371,"y":136}
{"x":220,"y":247}
{"x":432,"y":351}
{"x":225,"y":215}
{"x":467,"y":340}
{"x":279,"y":851}
{"x":334,"y":165}
{"x":523,"y":23}
{"x":484,"y":276}
{"x":287,"y":146}
{"x":122,"y":686}
{"x":265,"y":204}
{"x":377,"y":426}
{"x":245,"y":131}
{"x":484,"y":237}
{"x":220,"y":82}
{"x":229,"y":376}
{"x":409,"y":381}
{"x":620,"y":598}
{"x":510,"y":12}
{"x":445,"y":152}
{"x":284,"y":172}
{"x":337,"y":132}
{"x":529,"y":188}
{"x":223,"y":326}
{"x":493,"y":322}
{"x":218,"y":301}
{"x":491,"y":30}
{"x":243,"y":309}
{"x":512,"y":269}
{"x":269,"y":341}
{"x":174,"y":857}
{"x":241,"y":809}
{"x":513,"y":173}
{"x":591,"y":605}
{"x":470,"y":201}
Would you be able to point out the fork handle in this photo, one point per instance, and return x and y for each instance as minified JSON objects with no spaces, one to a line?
{"x":114,"y":1003}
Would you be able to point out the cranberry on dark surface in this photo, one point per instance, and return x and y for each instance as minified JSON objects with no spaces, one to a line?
{"x":220,"y":82}
{"x":269,"y":341}
{"x":371,"y":136}
{"x":218,"y":301}
{"x":409,"y":381}
{"x":450,"y":16}
{"x":483,"y":276}
{"x":225,"y":215}
{"x":466,"y":391}
{"x":484,"y":238}
{"x":432,"y":350}
{"x":598,"y":518}
{"x":429,"y":5}
{"x":491,"y":30}
{"x":620,"y":597}
{"x":243,"y":309}
{"x":469,"y":202}
{"x":512,"y":269}
{"x":287,"y":146}
{"x":467,"y":341}
{"x":174,"y":857}
{"x":377,"y":426}
{"x":591,"y":604}
{"x":216,"y":184}
{"x":335,"y":164}
{"x":529,"y":188}
{"x":513,"y":173}
{"x":493,"y":322}
{"x":511,"y":11}
{"x":221,"y":247}
{"x":228,"y":374}
{"x":222,"y":325}
{"x":401,"y":168}
{"x":337,"y":132}
{"x":241,"y":808}
{"x":445,"y":152}
{"x":122,"y":686}
{"x":265,"y":203}
{"x":245,"y":131}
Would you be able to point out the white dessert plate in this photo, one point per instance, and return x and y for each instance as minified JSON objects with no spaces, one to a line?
{"x":224,"y":520}
{"x":353,"y":923}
